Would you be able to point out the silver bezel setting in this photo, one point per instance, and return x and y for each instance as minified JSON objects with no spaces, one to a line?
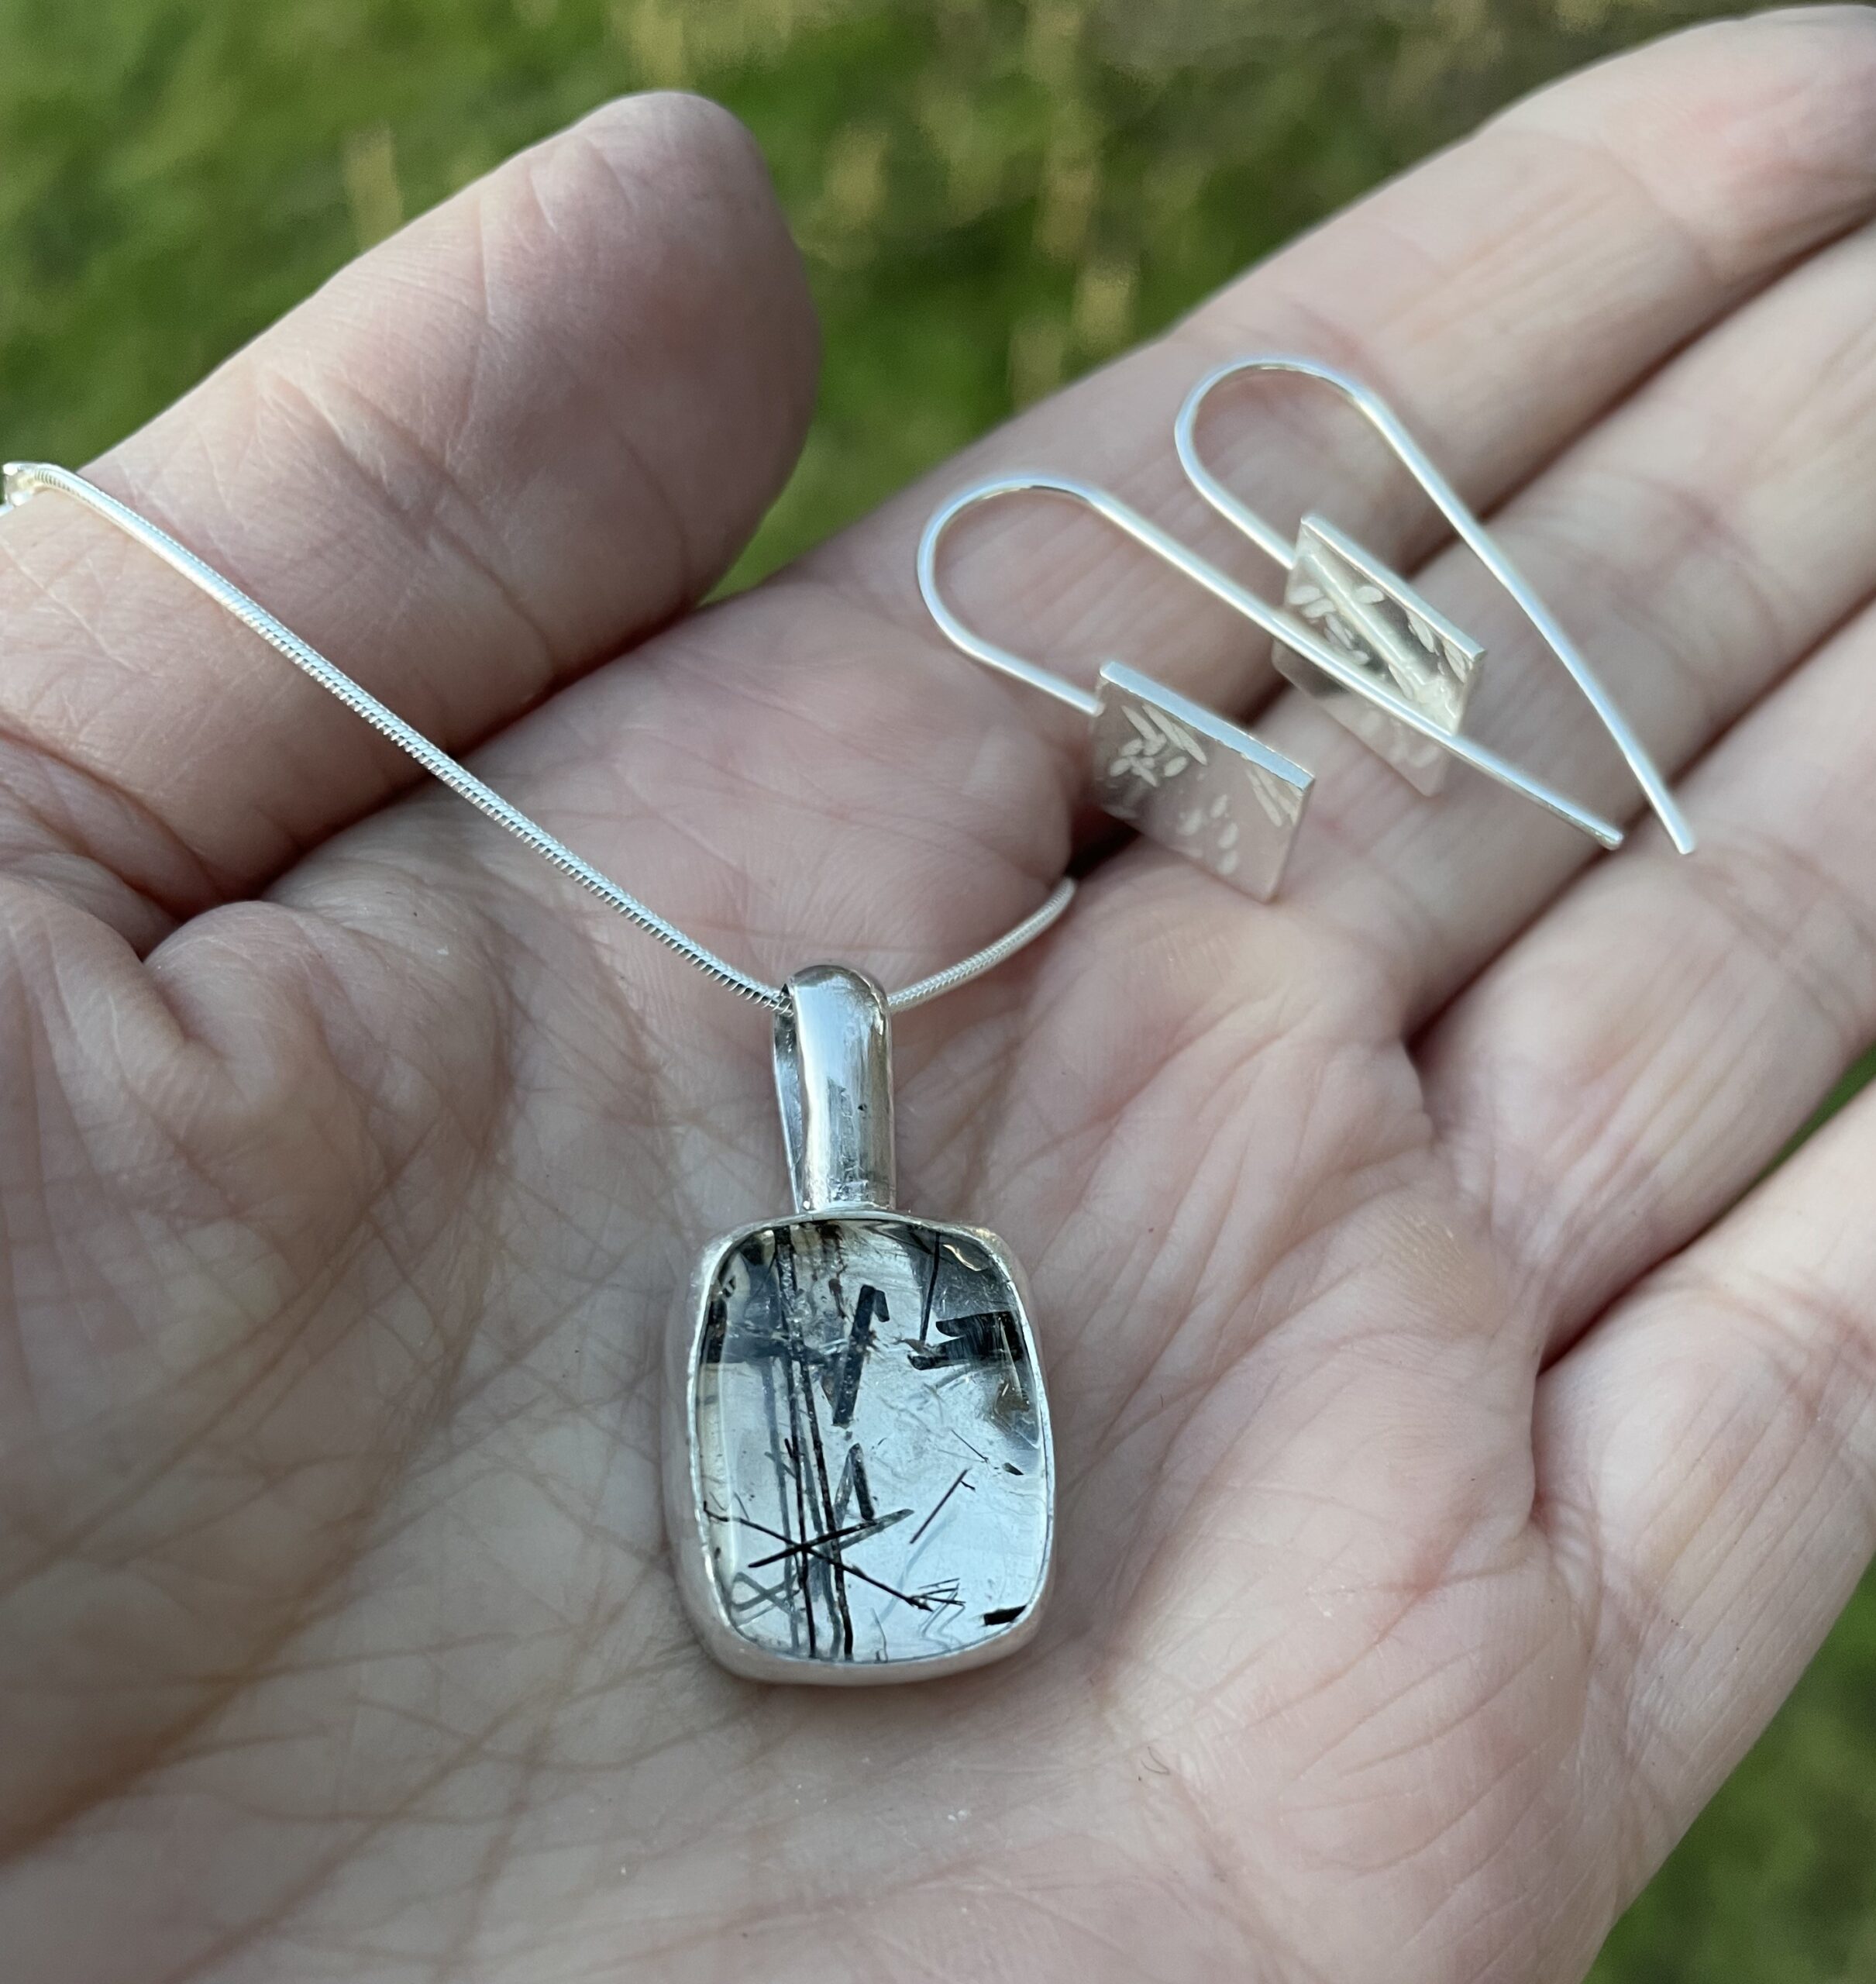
{"x":684,"y":1495}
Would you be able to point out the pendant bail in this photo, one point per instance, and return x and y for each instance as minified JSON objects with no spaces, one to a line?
{"x":833,"y":1078}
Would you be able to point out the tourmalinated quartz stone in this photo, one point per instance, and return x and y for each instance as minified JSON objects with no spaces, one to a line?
{"x":869,"y":1460}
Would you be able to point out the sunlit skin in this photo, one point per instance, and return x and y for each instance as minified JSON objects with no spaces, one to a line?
{"x":1460,"y":1453}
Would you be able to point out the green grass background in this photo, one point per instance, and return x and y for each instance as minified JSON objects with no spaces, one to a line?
{"x":993,"y":194}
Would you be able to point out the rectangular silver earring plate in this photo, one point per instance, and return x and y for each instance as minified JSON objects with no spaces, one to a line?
{"x":866,"y":1489}
{"x":1197,"y":784}
{"x":1374,"y":619}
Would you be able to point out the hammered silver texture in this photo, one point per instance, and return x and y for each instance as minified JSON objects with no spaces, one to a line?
{"x":1373,"y":618}
{"x":1196,"y":783}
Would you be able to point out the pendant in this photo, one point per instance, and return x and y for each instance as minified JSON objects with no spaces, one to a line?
{"x":860,"y":1480}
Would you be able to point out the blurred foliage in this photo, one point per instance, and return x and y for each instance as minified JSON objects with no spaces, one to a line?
{"x":1776,"y":1883}
{"x":993,"y":194}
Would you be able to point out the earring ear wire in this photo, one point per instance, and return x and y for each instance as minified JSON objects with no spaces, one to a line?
{"x":1182,"y":774}
{"x":1176,"y":771}
{"x":1378,"y":621}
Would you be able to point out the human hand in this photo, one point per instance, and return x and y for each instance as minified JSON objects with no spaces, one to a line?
{"x":1453,"y":1478}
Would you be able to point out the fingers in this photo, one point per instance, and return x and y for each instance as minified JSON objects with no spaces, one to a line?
{"x":1711,"y":1449}
{"x":1702,"y":539}
{"x":1502,"y":296}
{"x":1630,"y":1068}
{"x":534,"y":426}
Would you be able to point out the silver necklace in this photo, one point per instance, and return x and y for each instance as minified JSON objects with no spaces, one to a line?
{"x":858,"y":1473}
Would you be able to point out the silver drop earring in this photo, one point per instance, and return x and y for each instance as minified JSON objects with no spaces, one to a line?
{"x":1378,"y":623}
{"x":1180,"y":773}
{"x":859,"y":1474}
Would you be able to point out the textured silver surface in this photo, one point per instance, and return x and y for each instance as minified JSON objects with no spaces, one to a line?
{"x":1187,"y":778}
{"x":868,"y":1492}
{"x":1374,"y":620}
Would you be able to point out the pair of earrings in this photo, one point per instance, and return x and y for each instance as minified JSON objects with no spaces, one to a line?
{"x":1350,"y":633}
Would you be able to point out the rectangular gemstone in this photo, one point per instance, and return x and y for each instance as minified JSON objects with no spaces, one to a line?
{"x":1186,"y":777}
{"x":869,"y":1491}
{"x":1376,"y":621}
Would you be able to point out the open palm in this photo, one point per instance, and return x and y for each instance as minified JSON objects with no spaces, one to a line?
{"x":1446,"y":1498}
